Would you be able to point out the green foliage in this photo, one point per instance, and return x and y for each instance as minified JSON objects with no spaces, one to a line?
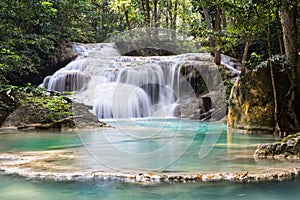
{"x":290,"y":137}
{"x":24,"y":46}
{"x":278,"y":59}
{"x":46,"y":106}
{"x":31,"y":31}
{"x":174,"y":14}
{"x":42,"y":106}
{"x":241,"y":21}
{"x":254,"y":61}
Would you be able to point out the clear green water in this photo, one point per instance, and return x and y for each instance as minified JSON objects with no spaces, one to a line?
{"x":16,"y":188}
{"x":169,"y":145}
{"x":16,"y":141}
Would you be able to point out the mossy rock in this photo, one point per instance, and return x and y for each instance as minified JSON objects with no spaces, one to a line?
{"x":290,"y":137}
{"x":35,"y":105}
{"x":251,"y":103}
{"x":288,"y":148}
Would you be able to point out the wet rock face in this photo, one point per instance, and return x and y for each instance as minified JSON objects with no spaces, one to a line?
{"x":87,"y":120}
{"x":289,"y":149}
{"x":251,"y":103}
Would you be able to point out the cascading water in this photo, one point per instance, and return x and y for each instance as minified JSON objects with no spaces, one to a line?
{"x":126,"y":87}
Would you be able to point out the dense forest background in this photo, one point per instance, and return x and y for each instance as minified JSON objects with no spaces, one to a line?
{"x":258,"y":33}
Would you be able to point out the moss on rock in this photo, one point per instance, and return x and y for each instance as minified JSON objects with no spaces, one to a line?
{"x":35,"y":105}
{"x":288,"y":148}
{"x":37,"y":108}
{"x":251,"y":103}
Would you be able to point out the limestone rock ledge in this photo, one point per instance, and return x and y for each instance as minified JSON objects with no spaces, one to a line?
{"x":287,"y":149}
{"x":51,"y":165}
{"x":146,"y":177}
{"x":251,"y":105}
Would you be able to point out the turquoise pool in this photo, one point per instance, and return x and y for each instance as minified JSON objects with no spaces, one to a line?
{"x":170,"y":145}
{"x":18,"y":188}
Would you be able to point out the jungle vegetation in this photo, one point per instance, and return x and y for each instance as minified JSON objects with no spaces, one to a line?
{"x":258,"y":33}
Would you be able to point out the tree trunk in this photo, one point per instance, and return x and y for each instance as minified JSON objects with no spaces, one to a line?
{"x":217,"y":31}
{"x":209,"y":25}
{"x":288,"y":18}
{"x":158,"y":16}
{"x":279,"y":35}
{"x":148,"y":13}
{"x":144,"y":12}
{"x":224,"y":21}
{"x":175,"y":15}
{"x":155,"y":13}
{"x":183,"y":8}
{"x":167,"y":14}
{"x":245,"y":54}
{"x":127,"y":19}
{"x":268,"y":32}
{"x":170,"y":12}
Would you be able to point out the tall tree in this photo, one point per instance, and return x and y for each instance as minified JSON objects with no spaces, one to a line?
{"x":148,"y":13}
{"x":155,"y":13}
{"x":217,"y":30}
{"x":288,"y":15}
{"x":277,"y":130}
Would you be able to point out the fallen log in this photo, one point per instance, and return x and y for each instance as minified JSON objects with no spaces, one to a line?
{"x":56,"y":124}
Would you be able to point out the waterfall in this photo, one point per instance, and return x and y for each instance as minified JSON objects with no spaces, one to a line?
{"x":127,"y":87}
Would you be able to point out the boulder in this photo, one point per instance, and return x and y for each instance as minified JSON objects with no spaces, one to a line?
{"x":288,"y":148}
{"x":251,"y":104}
{"x":21,"y":118}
